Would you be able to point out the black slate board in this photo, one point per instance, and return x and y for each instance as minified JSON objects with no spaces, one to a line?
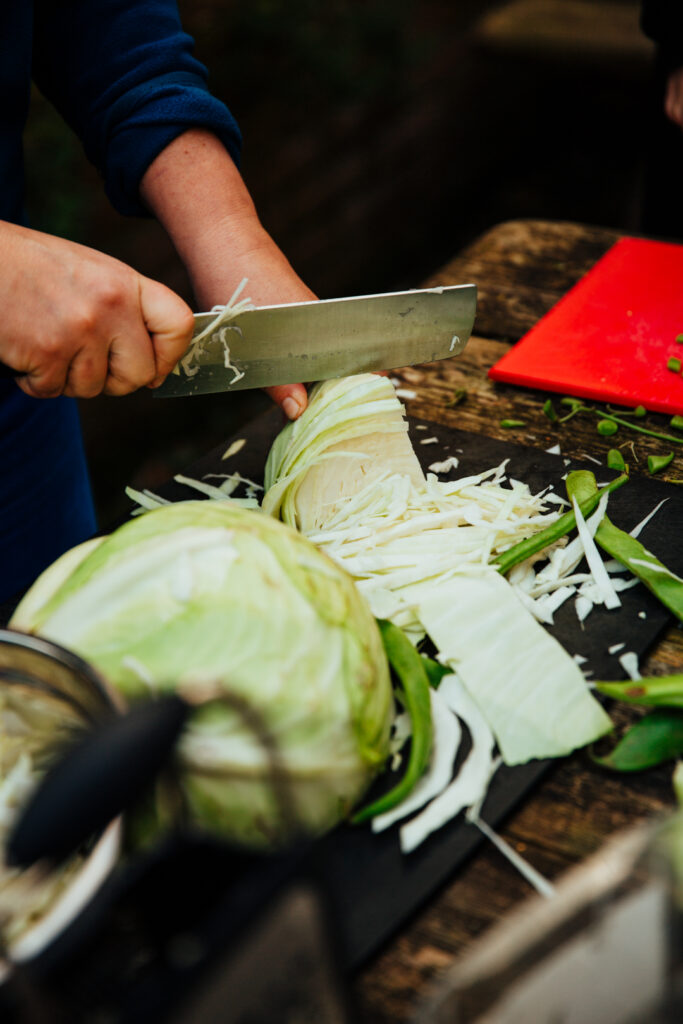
{"x":372,"y":886}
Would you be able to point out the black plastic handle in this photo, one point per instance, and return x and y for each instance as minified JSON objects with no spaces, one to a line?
{"x":95,"y":781}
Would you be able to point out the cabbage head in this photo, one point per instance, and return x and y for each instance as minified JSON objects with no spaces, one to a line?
{"x":201,"y":593}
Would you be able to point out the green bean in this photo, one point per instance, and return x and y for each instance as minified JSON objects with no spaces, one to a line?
{"x":660,"y":581}
{"x":549,"y":410}
{"x":408,"y":666}
{"x":657,"y":462}
{"x":653,"y":739}
{"x":615,"y":460}
{"x":666,"y":691}
{"x":508,"y":424}
{"x":525,"y":548}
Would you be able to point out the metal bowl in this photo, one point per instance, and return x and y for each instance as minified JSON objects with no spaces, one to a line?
{"x":38,"y":677}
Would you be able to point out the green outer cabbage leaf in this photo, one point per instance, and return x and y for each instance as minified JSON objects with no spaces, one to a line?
{"x":203,"y":593}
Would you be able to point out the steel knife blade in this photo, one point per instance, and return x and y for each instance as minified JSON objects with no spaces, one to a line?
{"x":309,"y":341}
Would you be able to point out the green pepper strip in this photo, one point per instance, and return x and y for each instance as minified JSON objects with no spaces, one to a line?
{"x":656,"y":691}
{"x":408,"y":666}
{"x":525,"y":548}
{"x":665,"y":586}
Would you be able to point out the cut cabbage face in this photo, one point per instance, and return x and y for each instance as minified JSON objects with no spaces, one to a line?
{"x":352,"y":431}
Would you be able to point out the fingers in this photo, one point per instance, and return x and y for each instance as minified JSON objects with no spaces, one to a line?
{"x":291,"y":398}
{"x":48,"y":381}
{"x":170,"y":323}
{"x":673,"y":100}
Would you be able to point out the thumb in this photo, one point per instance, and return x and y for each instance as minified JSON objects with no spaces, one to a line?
{"x":170,"y":323}
{"x":291,"y":398}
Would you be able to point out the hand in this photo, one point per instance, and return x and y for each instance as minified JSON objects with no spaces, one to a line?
{"x":76,"y":322}
{"x":197,"y":193}
{"x":673,"y":100}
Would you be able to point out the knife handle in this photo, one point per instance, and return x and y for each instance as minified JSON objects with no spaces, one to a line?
{"x":98,"y":778}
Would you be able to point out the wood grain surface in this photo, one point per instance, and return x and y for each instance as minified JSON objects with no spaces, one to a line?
{"x":521,"y":269}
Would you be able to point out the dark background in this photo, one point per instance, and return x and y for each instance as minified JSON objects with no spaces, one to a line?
{"x":380,"y":137}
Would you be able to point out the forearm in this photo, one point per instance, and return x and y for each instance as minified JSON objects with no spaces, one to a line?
{"x":195,"y":190}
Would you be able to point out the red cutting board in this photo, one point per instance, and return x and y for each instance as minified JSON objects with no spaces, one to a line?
{"x":609,"y":338}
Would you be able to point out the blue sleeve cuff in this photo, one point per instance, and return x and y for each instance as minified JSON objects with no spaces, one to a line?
{"x":145,"y":120}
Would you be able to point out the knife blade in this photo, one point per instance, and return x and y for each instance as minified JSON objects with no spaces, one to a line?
{"x":309,"y":341}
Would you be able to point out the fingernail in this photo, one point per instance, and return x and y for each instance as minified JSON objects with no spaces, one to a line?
{"x":291,"y":408}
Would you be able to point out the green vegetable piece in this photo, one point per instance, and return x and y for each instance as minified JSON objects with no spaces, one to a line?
{"x":679,"y":339}
{"x":615,"y":460}
{"x":525,"y":548}
{"x":639,"y":430}
{"x":414,"y":681}
{"x":665,"y":585}
{"x":459,"y":395}
{"x":607,"y":427}
{"x":509,"y":424}
{"x":640,"y":411}
{"x":673,"y":364}
{"x":676,"y":422}
{"x":549,"y":410}
{"x":655,"y":738}
{"x":666,"y":691}
{"x":435,"y":671}
{"x":655,"y":463}
{"x":677,"y":783}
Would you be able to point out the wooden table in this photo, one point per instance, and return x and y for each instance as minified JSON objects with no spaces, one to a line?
{"x":521,"y":268}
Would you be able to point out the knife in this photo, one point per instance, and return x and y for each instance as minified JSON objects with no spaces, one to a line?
{"x":309,"y":341}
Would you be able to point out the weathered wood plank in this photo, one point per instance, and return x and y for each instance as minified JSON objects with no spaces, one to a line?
{"x":522,"y":268}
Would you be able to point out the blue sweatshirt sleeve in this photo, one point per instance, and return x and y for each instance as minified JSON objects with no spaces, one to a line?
{"x":122,"y":74}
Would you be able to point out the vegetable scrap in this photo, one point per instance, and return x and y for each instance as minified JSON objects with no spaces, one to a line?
{"x":615,"y":460}
{"x":216,"y":333}
{"x":673,"y":364}
{"x":607,"y":427}
{"x":656,"y":738}
{"x":452,"y":462}
{"x":549,"y":410}
{"x":655,"y":463}
{"x":234,"y":448}
{"x":459,"y":395}
{"x":511,"y":424}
